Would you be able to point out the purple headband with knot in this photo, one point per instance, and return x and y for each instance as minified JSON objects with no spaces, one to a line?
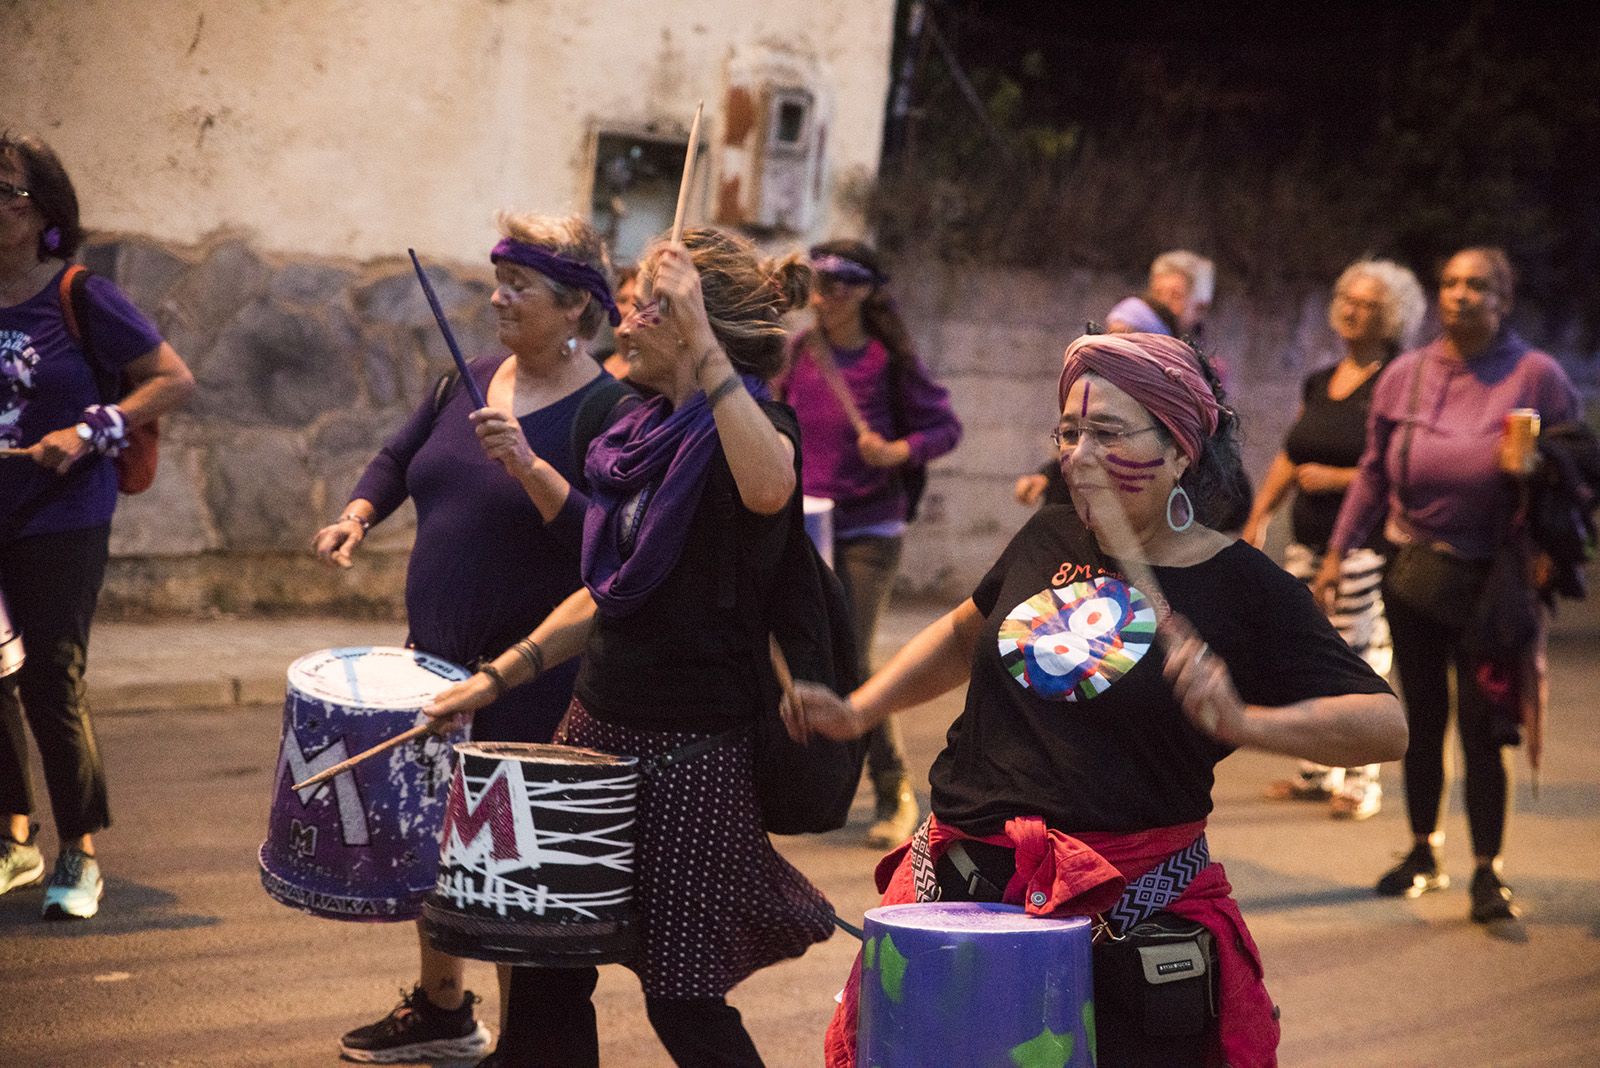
{"x":845,"y":268}
{"x":559,"y":269}
{"x":1161,"y":373}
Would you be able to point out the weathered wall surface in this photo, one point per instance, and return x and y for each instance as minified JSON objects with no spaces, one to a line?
{"x":357,"y":129}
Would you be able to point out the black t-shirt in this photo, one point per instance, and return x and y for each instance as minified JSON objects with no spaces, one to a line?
{"x":1332,"y":432}
{"x":691,"y":657}
{"x":1068,"y":716}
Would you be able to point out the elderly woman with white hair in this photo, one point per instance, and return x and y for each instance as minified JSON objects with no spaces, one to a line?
{"x":1176,"y":299}
{"x":1376,"y":310}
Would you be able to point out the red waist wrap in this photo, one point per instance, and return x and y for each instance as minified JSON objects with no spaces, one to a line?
{"x":1084,"y":875}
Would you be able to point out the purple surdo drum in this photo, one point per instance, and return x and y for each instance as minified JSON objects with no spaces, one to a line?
{"x":964,"y":982}
{"x":536,"y":858}
{"x":365,"y":844}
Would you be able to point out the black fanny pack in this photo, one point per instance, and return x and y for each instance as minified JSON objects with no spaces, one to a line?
{"x":1155,"y":983}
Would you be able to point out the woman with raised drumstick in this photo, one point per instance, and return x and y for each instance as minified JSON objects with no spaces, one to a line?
{"x":58,"y":490}
{"x":1432,"y":467}
{"x":690,"y":509}
{"x":1082,"y":764}
{"x":870,"y":414}
{"x":500,"y":500}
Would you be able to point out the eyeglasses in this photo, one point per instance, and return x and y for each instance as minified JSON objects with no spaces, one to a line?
{"x":1067,"y":437}
{"x":15,"y":192}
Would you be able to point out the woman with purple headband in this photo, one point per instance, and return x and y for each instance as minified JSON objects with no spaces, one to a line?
{"x":871,"y":420}
{"x":500,"y":498}
{"x":1077,"y":780}
{"x":62,"y":344}
{"x":693,"y":493}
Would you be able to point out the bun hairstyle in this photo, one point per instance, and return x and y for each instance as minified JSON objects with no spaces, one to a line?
{"x":571,"y":238}
{"x":49,"y":191}
{"x":745,"y":295}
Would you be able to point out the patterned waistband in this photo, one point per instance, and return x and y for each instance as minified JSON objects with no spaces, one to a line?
{"x":1144,"y":896}
{"x":1160,"y":886}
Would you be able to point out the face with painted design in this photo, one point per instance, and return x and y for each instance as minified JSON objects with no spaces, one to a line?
{"x":1113,"y":451}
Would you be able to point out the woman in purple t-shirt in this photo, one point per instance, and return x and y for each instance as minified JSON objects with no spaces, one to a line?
{"x":871,"y":419}
{"x":1431,"y":466}
{"x":58,"y":489}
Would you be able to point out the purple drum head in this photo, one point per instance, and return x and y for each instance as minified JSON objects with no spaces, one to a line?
{"x":536,"y":857}
{"x":365,"y":844}
{"x":975,"y":983}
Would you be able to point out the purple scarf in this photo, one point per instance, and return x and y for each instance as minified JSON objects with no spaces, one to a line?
{"x":559,"y":269}
{"x":660,"y":457}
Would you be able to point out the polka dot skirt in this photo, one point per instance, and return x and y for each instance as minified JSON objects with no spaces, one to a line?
{"x":717,"y":902}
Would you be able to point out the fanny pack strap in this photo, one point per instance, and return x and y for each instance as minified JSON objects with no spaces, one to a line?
{"x":698,"y":748}
{"x":1159,"y":887}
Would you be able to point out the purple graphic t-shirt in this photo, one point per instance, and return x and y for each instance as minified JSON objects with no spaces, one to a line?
{"x":45,"y":384}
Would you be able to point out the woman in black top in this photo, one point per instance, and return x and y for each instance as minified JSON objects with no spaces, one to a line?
{"x":689,"y":509}
{"x":1376,"y":309}
{"x":1117,"y":650}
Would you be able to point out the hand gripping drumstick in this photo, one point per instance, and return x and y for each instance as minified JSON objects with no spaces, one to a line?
{"x":473,"y":391}
{"x":345,"y":765}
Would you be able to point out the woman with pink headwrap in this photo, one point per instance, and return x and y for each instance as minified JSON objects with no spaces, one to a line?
{"x":1077,"y":780}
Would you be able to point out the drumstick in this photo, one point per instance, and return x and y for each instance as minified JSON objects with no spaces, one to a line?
{"x":13,"y":452}
{"x":345,"y":765}
{"x":780,"y":667}
{"x":835,"y":381}
{"x":473,"y":391}
{"x":688,"y":172}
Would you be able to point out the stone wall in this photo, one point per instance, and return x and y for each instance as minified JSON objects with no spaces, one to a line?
{"x":304,"y":367}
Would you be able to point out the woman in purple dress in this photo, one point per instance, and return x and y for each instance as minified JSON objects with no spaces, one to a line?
{"x":500,"y":499}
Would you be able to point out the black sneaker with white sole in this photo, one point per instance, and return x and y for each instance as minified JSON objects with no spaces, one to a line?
{"x":418,"y":1030}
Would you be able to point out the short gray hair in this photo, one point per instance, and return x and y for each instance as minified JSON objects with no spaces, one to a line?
{"x":1403,"y":306}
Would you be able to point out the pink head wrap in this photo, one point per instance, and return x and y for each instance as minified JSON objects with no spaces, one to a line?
{"x":1160,"y":372}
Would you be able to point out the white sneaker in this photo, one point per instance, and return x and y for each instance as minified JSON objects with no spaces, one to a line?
{"x":20,"y":862}
{"x":1359,"y":799}
{"x":75,"y":887}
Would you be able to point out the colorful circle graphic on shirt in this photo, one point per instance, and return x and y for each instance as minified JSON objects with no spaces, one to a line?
{"x":1071,"y":644}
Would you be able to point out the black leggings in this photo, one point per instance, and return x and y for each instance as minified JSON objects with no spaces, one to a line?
{"x":1424,"y":653}
{"x":550,"y":1023}
{"x":51,"y":584}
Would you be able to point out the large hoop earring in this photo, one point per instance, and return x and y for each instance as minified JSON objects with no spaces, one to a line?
{"x":1180,"y":497}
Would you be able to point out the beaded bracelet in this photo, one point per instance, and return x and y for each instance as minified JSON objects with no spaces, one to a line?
{"x":497,"y":680}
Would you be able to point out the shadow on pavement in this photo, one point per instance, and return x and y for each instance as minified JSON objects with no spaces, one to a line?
{"x":127,"y":908}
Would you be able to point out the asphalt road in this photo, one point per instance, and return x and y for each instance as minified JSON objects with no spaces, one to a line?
{"x":190,"y":963}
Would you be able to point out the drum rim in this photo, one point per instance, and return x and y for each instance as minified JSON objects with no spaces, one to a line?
{"x":567,"y":755}
{"x":303,"y":681}
{"x":886,"y":916}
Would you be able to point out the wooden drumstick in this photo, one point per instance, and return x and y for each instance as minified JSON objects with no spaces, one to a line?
{"x":345,"y":765}
{"x":780,"y":667}
{"x":13,"y":452}
{"x":689,"y":155}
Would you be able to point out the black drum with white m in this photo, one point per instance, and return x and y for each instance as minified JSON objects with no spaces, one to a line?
{"x":536,"y":859}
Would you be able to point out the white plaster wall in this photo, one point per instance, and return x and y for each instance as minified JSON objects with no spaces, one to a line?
{"x":357,"y":128}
